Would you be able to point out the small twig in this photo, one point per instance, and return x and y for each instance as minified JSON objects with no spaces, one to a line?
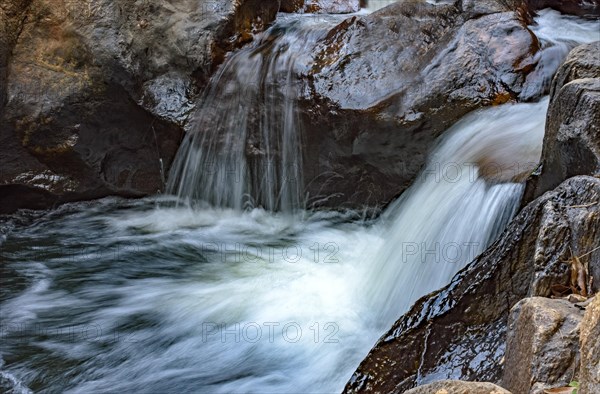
{"x":579,"y":257}
{"x":590,"y":252}
{"x":583,"y":206}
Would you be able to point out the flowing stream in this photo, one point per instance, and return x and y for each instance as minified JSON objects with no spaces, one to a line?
{"x":223,"y":161}
{"x":248,"y":292}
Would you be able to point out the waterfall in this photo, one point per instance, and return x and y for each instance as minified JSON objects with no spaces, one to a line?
{"x":463,"y":199}
{"x":244,"y":148}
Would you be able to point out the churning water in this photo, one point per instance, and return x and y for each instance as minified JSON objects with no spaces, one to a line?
{"x":154,"y":296}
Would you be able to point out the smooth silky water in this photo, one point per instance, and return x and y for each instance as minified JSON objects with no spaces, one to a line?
{"x":160,"y":295}
{"x":244,"y":147}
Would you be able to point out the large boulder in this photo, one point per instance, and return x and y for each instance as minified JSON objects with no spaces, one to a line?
{"x":542,"y":349}
{"x":589,"y":373}
{"x":572,"y":139}
{"x":459,"y":332}
{"x":385,"y":85}
{"x":582,"y":62}
{"x":458,"y":387}
{"x":94,"y":94}
{"x":97,"y":93}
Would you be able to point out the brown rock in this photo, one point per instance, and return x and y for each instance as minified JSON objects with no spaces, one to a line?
{"x":12,"y":18}
{"x":590,"y":349}
{"x":292,"y":6}
{"x":542,"y":348}
{"x":95,"y":94}
{"x":458,"y":387}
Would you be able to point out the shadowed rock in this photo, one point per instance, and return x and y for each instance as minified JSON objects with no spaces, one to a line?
{"x":585,"y":8}
{"x":590,"y":349}
{"x":320,"y":6}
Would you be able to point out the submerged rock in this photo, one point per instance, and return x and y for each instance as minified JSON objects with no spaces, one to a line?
{"x":94,"y":94}
{"x":460,"y":331}
{"x":458,"y":387}
{"x":542,"y":349}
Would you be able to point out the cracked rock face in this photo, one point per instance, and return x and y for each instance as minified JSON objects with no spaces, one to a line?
{"x":572,"y":140}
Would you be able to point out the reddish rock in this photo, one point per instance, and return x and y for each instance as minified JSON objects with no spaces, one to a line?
{"x":94,"y":97}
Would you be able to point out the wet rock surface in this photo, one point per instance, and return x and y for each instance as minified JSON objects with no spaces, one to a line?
{"x":458,"y":387}
{"x":99,"y":93}
{"x":460,"y":331}
{"x":384,"y":86}
{"x":94,"y":94}
{"x":542,"y":348}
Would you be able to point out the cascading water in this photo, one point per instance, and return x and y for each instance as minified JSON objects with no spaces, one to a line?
{"x":150,"y":295}
{"x":451,"y":213}
{"x":245,"y":150}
